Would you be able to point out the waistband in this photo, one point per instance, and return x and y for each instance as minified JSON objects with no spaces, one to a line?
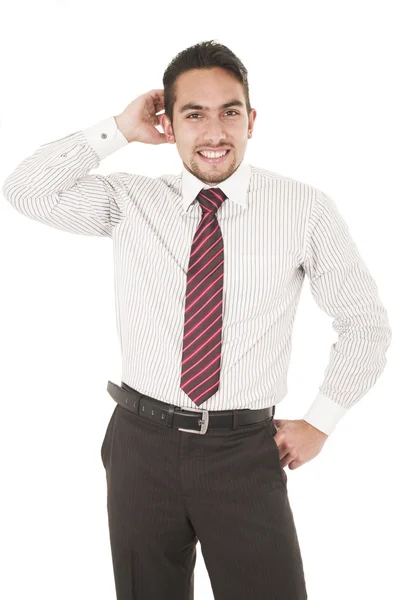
{"x":191,"y":419}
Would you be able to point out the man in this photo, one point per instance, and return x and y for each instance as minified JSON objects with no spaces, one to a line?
{"x":209,"y":265}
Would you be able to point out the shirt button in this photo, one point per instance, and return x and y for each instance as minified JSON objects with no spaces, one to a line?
{"x":104,"y":135}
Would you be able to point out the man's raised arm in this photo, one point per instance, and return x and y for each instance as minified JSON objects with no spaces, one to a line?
{"x":54,"y":184}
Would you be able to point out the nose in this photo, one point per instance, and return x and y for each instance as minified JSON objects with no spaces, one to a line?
{"x":215,"y":132}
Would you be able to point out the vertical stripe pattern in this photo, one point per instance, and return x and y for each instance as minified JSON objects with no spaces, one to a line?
{"x":202,"y":339}
{"x":275,"y":230}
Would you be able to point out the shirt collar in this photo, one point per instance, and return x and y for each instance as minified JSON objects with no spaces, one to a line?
{"x":235,"y":187}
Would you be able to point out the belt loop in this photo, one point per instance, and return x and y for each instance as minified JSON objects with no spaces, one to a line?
{"x":273,"y":409}
{"x":234,"y":419}
{"x":170,"y":415}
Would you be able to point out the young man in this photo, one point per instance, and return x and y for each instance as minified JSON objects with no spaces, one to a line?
{"x":209,"y":265}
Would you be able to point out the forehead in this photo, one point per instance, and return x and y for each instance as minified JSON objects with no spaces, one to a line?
{"x":209,"y":88}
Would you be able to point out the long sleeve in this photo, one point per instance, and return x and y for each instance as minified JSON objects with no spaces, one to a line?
{"x":343,"y":287}
{"x":54,"y":186}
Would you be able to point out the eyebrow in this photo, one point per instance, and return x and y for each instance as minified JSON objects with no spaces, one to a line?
{"x":191,"y":106}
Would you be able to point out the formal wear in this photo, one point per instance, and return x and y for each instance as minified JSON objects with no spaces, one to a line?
{"x":202,"y":339}
{"x":275,"y":231}
{"x":168,"y":486}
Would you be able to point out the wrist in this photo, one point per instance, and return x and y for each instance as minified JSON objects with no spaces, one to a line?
{"x":124,"y":128}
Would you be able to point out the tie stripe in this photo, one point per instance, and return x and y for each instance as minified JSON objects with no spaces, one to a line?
{"x":202,"y":339}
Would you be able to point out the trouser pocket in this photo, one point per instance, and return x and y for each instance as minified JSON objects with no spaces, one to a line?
{"x":106,"y":439}
{"x":271,"y":431}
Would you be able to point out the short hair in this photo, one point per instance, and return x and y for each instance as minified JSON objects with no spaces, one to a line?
{"x":204,"y":55}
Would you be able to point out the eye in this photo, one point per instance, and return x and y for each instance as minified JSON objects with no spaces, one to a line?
{"x":195,"y":114}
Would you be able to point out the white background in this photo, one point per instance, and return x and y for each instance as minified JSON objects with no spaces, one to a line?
{"x":322,"y":79}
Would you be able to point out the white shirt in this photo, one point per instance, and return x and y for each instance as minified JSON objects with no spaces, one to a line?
{"x":275,"y":230}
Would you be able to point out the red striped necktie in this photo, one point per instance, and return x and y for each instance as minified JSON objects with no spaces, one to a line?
{"x":201,"y":354}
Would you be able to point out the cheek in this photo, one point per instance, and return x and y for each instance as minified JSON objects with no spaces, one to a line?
{"x":187,"y":142}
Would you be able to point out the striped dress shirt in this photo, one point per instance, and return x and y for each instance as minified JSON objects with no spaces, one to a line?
{"x":275,"y":230}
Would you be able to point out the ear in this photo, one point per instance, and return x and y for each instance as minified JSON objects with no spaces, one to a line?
{"x":251,"y":122}
{"x":165,"y":123}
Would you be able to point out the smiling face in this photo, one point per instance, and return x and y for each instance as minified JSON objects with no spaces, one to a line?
{"x":209,"y":114}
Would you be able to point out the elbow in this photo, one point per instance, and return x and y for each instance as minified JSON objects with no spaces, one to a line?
{"x":10,"y":191}
{"x":7,"y":188}
{"x":16,"y":193}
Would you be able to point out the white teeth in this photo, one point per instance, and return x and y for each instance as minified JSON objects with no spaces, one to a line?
{"x":213,"y":154}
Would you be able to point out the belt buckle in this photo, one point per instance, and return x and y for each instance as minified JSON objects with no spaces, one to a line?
{"x":203,"y":422}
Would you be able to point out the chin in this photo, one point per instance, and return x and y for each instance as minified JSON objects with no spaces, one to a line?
{"x":212,"y":174}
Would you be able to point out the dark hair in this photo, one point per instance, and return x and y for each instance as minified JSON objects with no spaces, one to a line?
{"x":204,"y":55}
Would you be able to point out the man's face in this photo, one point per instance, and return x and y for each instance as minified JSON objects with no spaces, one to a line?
{"x":214,"y":128}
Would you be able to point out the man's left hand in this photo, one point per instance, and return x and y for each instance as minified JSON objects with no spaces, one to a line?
{"x":298,"y":441}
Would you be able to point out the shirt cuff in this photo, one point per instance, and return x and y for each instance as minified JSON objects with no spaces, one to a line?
{"x":105,"y":137}
{"x":325,"y":414}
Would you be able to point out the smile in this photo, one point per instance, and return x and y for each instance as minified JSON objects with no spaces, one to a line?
{"x":214,"y":157}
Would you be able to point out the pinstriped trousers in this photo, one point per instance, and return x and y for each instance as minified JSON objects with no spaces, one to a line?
{"x":168,"y":489}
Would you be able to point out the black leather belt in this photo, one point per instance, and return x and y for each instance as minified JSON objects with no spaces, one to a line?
{"x":195,"y":420}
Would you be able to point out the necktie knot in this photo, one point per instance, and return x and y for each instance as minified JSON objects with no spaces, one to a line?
{"x":211,"y":199}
